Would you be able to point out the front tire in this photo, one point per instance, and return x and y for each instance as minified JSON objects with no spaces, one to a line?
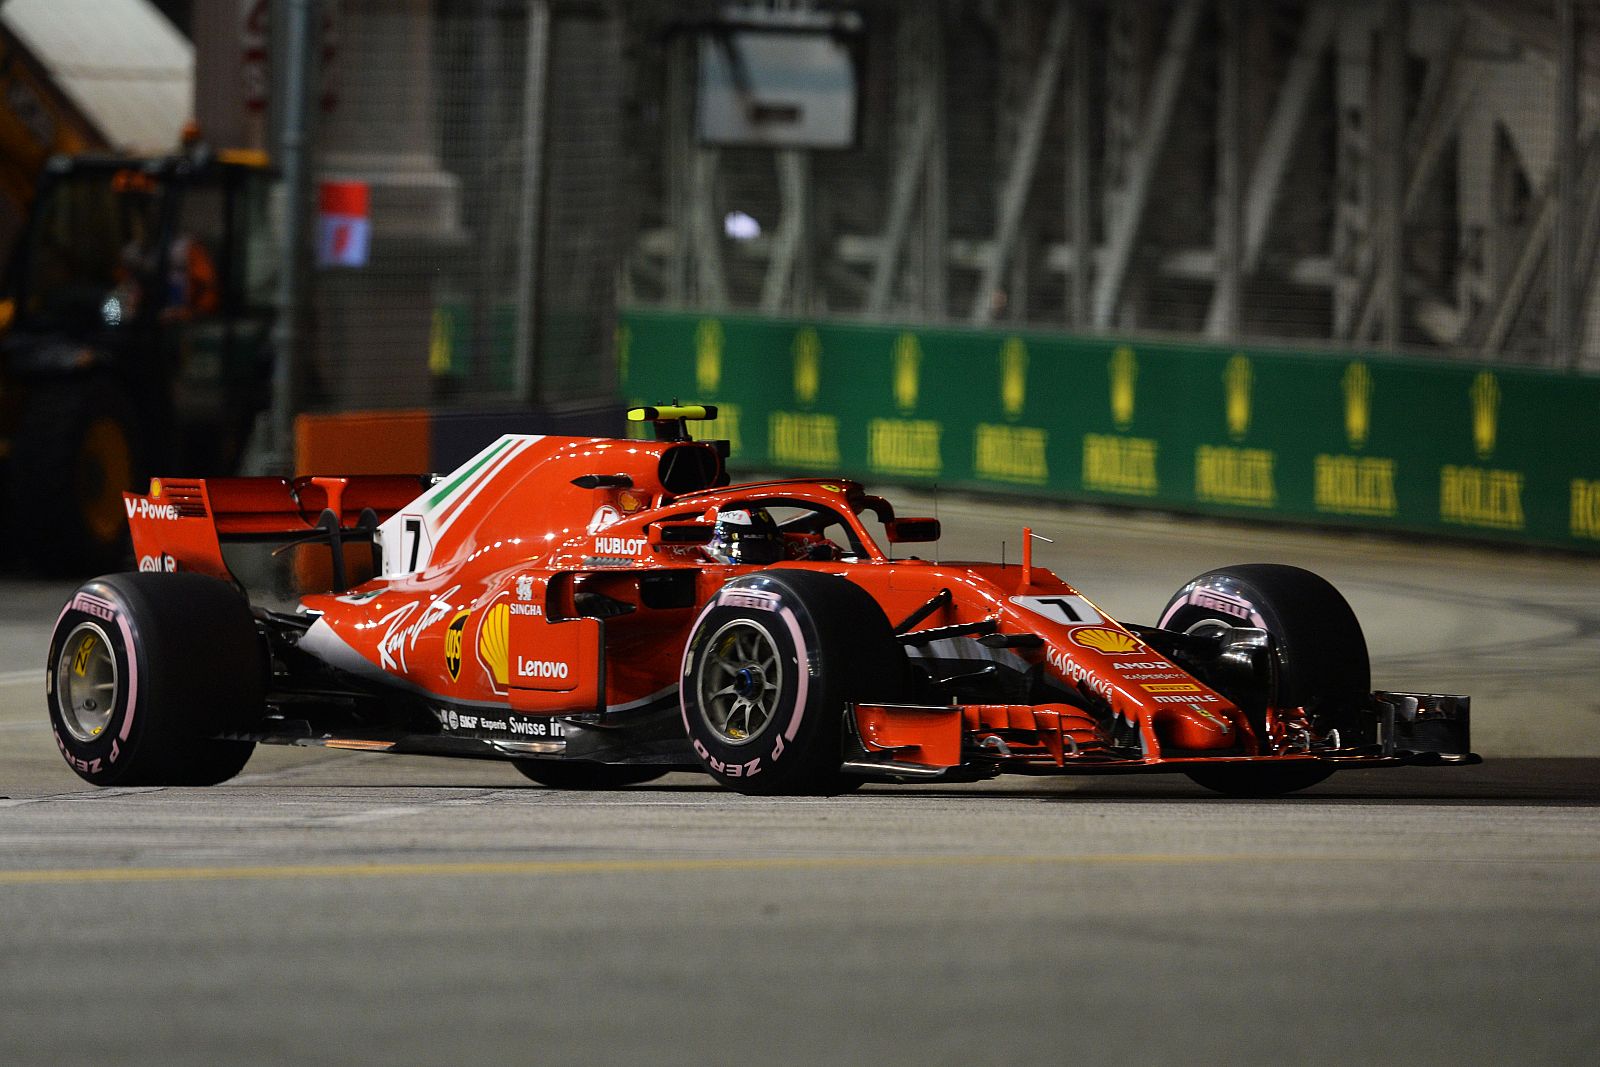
{"x":1319,"y":658}
{"x":145,"y":670}
{"x":770,"y":666}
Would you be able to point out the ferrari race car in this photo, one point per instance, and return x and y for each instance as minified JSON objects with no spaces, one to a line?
{"x":600,"y":612}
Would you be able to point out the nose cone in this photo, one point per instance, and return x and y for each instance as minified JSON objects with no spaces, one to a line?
{"x":1192,"y":726}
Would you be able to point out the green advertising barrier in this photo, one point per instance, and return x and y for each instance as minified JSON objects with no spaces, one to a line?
{"x":1496,"y":452}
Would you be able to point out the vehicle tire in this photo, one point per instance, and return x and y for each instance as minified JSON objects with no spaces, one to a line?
{"x":770,"y":665}
{"x":583,"y":774}
{"x":145,"y":670}
{"x":76,"y":451}
{"x":1318,"y":659}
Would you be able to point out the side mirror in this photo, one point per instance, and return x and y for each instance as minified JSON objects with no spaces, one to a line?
{"x":681,"y":533}
{"x":911,"y":531}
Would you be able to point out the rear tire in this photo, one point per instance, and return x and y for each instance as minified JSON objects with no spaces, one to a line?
{"x":145,"y":670}
{"x":1319,"y":658}
{"x":582,"y":774}
{"x":770,"y":666}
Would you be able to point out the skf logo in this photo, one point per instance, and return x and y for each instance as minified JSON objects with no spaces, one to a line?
{"x":1013,"y":377}
{"x":1237,"y":378}
{"x":1111,"y":642}
{"x":807,"y":351}
{"x":708,"y":355}
{"x":1357,"y":404}
{"x":1485,"y":413}
{"x":1124,"y":369}
{"x":907,"y":367}
{"x":494,"y":641}
{"x":452,"y":644}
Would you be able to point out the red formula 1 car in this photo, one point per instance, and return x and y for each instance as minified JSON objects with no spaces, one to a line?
{"x":601,"y":611}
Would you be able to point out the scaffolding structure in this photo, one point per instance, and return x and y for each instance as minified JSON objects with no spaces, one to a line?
{"x":1413,"y":175}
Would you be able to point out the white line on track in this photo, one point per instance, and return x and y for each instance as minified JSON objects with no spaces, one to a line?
{"x":27,"y":677}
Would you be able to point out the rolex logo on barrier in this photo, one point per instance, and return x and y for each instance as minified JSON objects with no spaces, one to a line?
{"x":1485,"y":413}
{"x":1013,"y":377}
{"x":907,"y":368}
{"x":1124,"y":368}
{"x":807,"y":351}
{"x":708,"y":356}
{"x":1237,"y":378}
{"x":1357,"y":404}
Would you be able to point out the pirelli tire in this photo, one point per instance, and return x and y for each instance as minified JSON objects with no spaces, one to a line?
{"x":1318,"y":657}
{"x":586,"y":774}
{"x":145,"y":672}
{"x":769,"y":668}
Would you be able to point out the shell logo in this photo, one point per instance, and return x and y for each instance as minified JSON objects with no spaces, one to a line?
{"x":1485,"y":413}
{"x":1357,"y":403}
{"x":1238,"y":378}
{"x":907,"y":365}
{"x":1013,"y":376}
{"x":1124,"y":368}
{"x":494,"y":642}
{"x":807,"y":365}
{"x":1101,"y":639}
{"x":708,"y":355}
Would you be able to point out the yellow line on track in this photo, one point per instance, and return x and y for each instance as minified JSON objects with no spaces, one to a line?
{"x":89,"y":875}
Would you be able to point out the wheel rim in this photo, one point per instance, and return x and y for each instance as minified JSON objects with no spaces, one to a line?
{"x":105,"y":469}
{"x":86,"y":681}
{"x":740,"y":682}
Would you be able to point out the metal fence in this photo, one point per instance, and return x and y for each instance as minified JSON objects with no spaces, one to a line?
{"x":1414,"y":175}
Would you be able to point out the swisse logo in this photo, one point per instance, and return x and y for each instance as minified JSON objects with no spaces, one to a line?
{"x":1110,"y":642}
{"x":540,"y":668}
{"x":141,"y":508}
{"x":619,"y":546}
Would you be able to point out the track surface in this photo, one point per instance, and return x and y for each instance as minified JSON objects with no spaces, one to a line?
{"x":352,"y":907}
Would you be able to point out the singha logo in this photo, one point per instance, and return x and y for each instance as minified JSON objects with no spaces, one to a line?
{"x":807,"y":352}
{"x":1013,"y":376}
{"x":1124,"y":369}
{"x":708,"y":356}
{"x":1357,"y":404}
{"x":1485,"y":413}
{"x":907,"y":366}
{"x":1237,"y":378}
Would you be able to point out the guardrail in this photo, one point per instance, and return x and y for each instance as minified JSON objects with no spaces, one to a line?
{"x":1492,"y":452}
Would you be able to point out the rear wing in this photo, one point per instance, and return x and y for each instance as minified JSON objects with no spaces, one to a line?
{"x":182,"y":523}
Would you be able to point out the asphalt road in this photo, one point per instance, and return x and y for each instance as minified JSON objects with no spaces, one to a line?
{"x":345,"y":907}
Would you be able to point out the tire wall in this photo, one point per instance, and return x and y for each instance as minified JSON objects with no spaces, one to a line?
{"x":1352,"y":438}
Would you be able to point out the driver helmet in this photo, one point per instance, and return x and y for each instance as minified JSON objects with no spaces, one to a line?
{"x":745,"y":535}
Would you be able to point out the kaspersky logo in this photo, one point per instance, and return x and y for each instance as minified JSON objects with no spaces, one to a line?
{"x":807,"y":352}
{"x":1357,"y":404}
{"x":708,"y":356}
{"x":1124,"y":369}
{"x":907,"y":370}
{"x":1238,"y":378}
{"x":1485,"y":395}
{"x":1013,"y":377}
